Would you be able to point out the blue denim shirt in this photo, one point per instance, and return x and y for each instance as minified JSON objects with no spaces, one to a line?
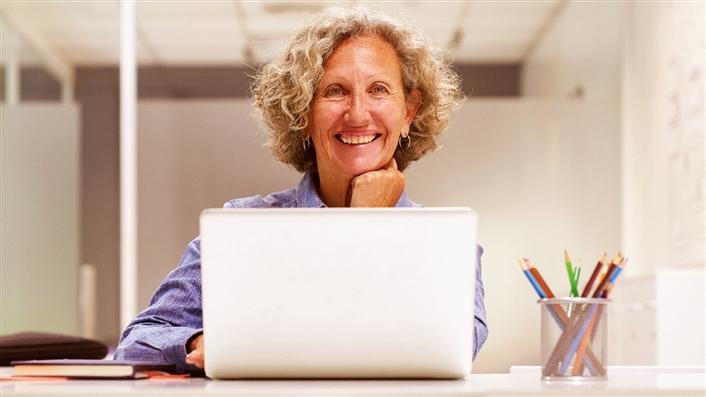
{"x":173,"y":316}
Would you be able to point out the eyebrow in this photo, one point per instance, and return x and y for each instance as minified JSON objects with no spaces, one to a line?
{"x":381,"y":76}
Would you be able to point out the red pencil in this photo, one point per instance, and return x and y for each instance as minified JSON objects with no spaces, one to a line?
{"x":594,"y":275}
{"x":547,"y":291}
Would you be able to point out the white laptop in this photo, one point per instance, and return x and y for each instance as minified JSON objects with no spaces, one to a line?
{"x":338,"y":293}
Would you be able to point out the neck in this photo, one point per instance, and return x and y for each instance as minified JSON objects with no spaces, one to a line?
{"x":333,"y":189}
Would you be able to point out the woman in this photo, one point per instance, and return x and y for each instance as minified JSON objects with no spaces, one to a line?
{"x":356,"y":98}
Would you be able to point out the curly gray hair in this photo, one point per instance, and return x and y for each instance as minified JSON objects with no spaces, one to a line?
{"x":284,"y":89}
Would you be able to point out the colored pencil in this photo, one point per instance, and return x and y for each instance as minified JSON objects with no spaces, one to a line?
{"x":531,"y":279}
{"x":578,"y":364}
{"x":570,"y":273}
{"x":592,"y":279}
{"x":568,"y":338}
{"x":533,"y":269}
{"x":579,"y":326}
{"x":557,"y":312}
{"x":613,"y":265}
{"x":560,"y":316}
{"x":594,"y":319}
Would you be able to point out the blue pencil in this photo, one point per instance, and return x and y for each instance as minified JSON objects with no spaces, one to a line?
{"x":531,"y":279}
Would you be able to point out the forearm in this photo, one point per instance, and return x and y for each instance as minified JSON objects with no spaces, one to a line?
{"x":162,"y":330}
{"x":480,"y":334}
{"x":156,"y":342}
{"x":480,"y":324}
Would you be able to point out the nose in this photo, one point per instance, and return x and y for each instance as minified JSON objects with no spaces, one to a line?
{"x":357,"y":113}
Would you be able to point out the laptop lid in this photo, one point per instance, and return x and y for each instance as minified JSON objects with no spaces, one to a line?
{"x":338,"y":293}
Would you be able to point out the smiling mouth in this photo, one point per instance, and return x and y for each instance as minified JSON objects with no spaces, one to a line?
{"x":357,"y":139}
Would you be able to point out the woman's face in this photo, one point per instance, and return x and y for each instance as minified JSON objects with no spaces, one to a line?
{"x":359,"y":109}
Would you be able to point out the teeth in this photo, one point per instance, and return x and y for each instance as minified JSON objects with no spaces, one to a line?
{"x":357,"y":140}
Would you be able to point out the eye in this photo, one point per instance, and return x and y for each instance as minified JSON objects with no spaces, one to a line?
{"x":333,"y":91}
{"x":379,"y":89}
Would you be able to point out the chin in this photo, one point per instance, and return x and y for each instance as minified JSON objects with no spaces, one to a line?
{"x":361,"y":166}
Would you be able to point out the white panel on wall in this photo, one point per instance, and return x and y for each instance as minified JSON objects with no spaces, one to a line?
{"x":659,"y":319}
{"x":39,"y":218}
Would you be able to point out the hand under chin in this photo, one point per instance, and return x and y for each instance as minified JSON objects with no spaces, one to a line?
{"x":378,"y":188}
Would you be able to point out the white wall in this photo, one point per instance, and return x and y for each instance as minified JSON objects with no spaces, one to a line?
{"x":664,"y":184}
{"x":640,"y":66}
{"x":579,"y":60}
{"x":664,"y":143}
{"x":39,"y":218}
{"x":582,"y":48}
{"x":539,"y":179}
{"x":194,"y":155}
{"x":532,"y":170}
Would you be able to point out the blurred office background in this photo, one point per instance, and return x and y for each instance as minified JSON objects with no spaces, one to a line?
{"x":583,"y":130}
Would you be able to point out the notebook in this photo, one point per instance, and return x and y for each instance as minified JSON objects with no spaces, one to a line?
{"x":88,"y":368}
{"x":338,"y":293}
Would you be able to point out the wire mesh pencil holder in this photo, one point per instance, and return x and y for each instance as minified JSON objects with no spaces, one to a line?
{"x":574,"y":345}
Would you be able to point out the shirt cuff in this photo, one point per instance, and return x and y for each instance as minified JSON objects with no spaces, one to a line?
{"x":176,"y":352}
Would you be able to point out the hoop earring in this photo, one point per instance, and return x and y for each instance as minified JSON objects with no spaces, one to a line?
{"x":407,"y":144}
{"x":306,"y":144}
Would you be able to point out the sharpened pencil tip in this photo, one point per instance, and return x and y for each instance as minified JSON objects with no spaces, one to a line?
{"x":616,"y":259}
{"x":529,"y":263}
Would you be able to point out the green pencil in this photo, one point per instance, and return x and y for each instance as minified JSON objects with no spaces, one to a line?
{"x":572,"y":277}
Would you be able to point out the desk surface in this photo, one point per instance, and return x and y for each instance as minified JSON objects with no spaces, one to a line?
{"x":638,"y":382}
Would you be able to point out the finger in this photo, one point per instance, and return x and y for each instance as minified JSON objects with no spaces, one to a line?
{"x":349,"y":195}
{"x":195,"y":358}
{"x":195,"y":362}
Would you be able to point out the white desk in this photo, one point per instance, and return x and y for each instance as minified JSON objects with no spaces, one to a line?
{"x":523,"y":381}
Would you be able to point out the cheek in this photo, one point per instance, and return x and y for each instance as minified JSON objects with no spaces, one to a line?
{"x":391,"y":115}
{"x":325,"y":117}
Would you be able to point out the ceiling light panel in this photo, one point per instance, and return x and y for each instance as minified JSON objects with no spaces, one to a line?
{"x":81,"y":32}
{"x":223,"y":32}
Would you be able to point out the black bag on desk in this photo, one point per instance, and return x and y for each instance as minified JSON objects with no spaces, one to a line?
{"x":45,"y":346}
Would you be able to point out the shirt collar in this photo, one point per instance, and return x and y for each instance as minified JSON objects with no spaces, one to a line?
{"x":404,"y":201}
{"x":308,"y":196}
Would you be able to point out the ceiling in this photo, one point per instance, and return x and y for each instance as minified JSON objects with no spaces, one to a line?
{"x":235,"y":32}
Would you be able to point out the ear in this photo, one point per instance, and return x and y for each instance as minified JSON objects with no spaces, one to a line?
{"x":414,"y":101}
